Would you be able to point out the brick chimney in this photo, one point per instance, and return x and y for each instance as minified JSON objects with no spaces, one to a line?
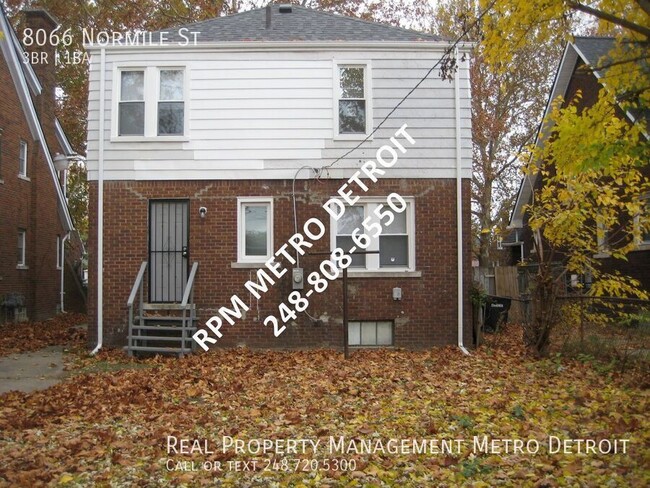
{"x":42,"y":60}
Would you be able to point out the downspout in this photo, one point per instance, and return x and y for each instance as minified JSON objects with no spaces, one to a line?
{"x":62,"y":257}
{"x":100,"y":206}
{"x":459,"y":209}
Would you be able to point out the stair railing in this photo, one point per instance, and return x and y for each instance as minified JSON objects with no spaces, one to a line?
{"x":187,"y":305}
{"x":138,"y":286}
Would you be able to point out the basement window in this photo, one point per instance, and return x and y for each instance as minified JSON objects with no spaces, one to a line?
{"x":370,"y":333}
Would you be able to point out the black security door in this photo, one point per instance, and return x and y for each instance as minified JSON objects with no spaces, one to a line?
{"x":168,"y":249}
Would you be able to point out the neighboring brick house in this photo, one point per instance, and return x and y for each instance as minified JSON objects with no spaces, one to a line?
{"x":194,"y":152}
{"x":34,"y":219}
{"x":572,"y":77}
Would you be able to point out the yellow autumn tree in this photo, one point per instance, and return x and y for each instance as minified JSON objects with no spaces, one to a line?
{"x":593,"y":160}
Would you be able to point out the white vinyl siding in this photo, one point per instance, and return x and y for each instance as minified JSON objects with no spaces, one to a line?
{"x":263,"y":115}
{"x":255,"y":229}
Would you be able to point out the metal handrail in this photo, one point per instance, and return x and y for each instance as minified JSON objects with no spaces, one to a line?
{"x":190,"y":284}
{"x":137,"y":284}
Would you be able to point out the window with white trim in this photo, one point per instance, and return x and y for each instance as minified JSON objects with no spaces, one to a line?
{"x":22,"y":241}
{"x":394,"y":237}
{"x":151,"y":102}
{"x":352,"y":93}
{"x":171,"y":105}
{"x":59,"y":255}
{"x":131,"y":105}
{"x":602,"y":238}
{"x":22,"y":159}
{"x":370,"y":333}
{"x":644,"y":239}
{"x":255,"y":229}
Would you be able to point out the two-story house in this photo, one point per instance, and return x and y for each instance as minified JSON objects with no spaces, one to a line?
{"x":38,"y":277}
{"x":216,"y":143}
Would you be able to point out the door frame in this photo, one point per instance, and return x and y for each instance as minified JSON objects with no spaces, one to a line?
{"x":187,"y":233}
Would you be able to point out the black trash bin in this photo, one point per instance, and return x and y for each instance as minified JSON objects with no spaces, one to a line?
{"x":496,"y":312}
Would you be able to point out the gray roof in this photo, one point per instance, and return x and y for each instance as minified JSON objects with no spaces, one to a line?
{"x":299,"y":24}
{"x":594,"y":48}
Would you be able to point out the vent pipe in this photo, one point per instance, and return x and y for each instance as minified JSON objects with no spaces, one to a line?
{"x":268,"y":16}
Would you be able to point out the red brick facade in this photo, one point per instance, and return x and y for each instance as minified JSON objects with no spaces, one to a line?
{"x":29,"y":203}
{"x":426,"y":315}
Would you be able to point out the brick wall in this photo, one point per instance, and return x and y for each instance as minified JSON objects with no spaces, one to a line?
{"x":30,"y":203}
{"x":426,"y":315}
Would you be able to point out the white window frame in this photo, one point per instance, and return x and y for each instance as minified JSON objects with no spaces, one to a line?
{"x":158,"y":100}
{"x":151,"y":99}
{"x":22,"y":159}
{"x":643,"y":244}
{"x":59,"y":253}
{"x":372,"y":260}
{"x":22,"y":260}
{"x":336,"y":96}
{"x":353,"y":323}
{"x":602,"y":241}
{"x":241,"y":230}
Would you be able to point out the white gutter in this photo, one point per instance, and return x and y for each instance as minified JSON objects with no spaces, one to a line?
{"x":235,"y":46}
{"x":62,"y":257}
{"x":459,"y":209}
{"x":100,"y":207}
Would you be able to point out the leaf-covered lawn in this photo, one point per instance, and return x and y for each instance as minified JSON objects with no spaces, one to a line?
{"x":111,"y":428}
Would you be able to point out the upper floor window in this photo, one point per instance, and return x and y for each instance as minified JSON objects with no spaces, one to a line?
{"x":22,"y":241}
{"x":391,"y":233}
{"x":151,"y":102}
{"x":354,"y":110}
{"x":171,"y":107}
{"x":22,"y":159}
{"x":131,"y":117}
{"x":255,"y":229}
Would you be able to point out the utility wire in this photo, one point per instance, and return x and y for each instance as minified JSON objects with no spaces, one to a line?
{"x":445,"y":56}
{"x":319,"y":171}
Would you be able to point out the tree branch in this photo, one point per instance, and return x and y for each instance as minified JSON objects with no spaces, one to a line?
{"x":610,"y":18}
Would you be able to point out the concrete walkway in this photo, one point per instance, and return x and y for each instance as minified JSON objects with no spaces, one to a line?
{"x":32,"y":371}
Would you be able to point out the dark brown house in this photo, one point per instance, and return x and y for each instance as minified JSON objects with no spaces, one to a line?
{"x":572,"y":77}
{"x":41,"y":251}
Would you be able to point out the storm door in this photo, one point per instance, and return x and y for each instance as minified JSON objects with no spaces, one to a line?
{"x":168,"y":249}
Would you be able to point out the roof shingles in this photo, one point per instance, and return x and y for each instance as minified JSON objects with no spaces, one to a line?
{"x":300,"y":24}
